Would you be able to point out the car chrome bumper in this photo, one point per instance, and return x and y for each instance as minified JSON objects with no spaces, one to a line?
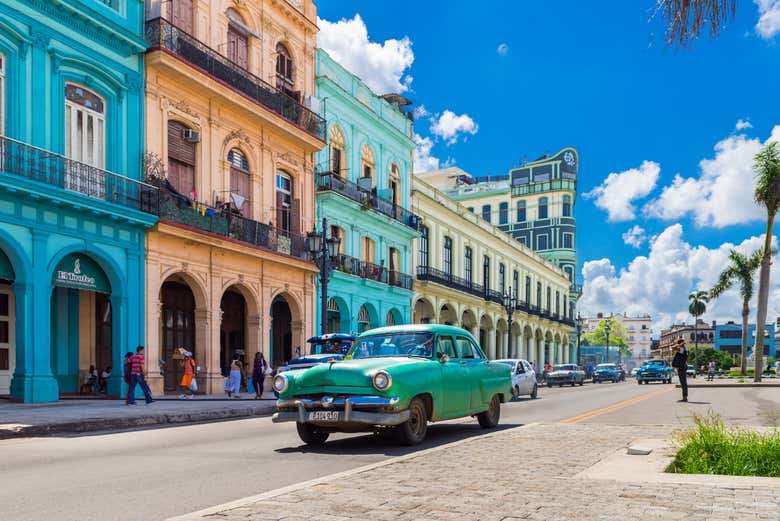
{"x":345,"y":406}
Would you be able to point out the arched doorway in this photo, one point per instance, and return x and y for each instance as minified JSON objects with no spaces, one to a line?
{"x":281,"y":332}
{"x":423,"y":312}
{"x":447,"y":316}
{"x":363,"y":319}
{"x":7,"y":324}
{"x":393,"y":318}
{"x":338,"y":316}
{"x":486,"y":338}
{"x":468,"y":321}
{"x":178,"y":329}
{"x":232,"y":337}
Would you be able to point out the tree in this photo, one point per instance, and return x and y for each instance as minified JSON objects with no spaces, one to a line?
{"x":740,"y":271}
{"x":767,"y":194}
{"x":698,"y":305}
{"x":685,"y":19}
{"x":617,"y":336}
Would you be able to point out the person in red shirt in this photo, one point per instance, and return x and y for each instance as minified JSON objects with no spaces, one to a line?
{"x":137,"y":363}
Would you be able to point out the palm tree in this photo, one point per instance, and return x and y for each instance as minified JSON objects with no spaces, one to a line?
{"x":741,"y":271}
{"x":685,"y":19}
{"x":767,"y":168}
{"x":698,"y":305}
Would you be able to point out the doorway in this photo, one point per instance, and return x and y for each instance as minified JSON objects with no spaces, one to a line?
{"x":178,"y":330}
{"x":281,"y":332}
{"x":232,"y":331}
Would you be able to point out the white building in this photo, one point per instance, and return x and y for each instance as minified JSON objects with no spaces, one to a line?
{"x":640,"y":333}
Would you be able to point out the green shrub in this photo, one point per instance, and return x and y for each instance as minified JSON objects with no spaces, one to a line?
{"x":710,"y":447}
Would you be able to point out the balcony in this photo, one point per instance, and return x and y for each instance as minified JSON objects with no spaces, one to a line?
{"x":221,"y":221}
{"x":375,"y":272}
{"x":161,"y":34}
{"x":23,"y":160}
{"x":544,"y":186}
{"x":329,"y":181}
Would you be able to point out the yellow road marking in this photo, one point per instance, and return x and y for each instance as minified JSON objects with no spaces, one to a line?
{"x":616,"y":406}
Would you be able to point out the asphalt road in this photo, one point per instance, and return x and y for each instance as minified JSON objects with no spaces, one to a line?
{"x":159,"y":473}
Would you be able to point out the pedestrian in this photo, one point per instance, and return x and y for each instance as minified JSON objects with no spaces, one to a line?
{"x":711,"y":371}
{"x":188,"y":383}
{"x":127,"y":370}
{"x":259,"y":367}
{"x":680,"y":362}
{"x":234,"y":380}
{"x":137,"y":376}
{"x":104,"y":376}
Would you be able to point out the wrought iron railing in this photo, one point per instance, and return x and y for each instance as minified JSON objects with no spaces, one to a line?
{"x":400,"y":280}
{"x":371,"y":271}
{"x":544,"y":186}
{"x":23,"y":160}
{"x":331,"y":181}
{"x":161,"y":34}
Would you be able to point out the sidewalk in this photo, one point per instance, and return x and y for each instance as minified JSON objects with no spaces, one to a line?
{"x":84,"y":415}
{"x":521,"y":473}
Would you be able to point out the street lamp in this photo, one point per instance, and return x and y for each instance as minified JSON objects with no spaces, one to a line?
{"x":607,"y":329}
{"x":509,"y":306}
{"x":324,"y":251}
{"x":579,"y":333}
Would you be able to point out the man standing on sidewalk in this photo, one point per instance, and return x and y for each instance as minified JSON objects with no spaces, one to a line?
{"x":137,"y":377}
{"x":680,"y":362}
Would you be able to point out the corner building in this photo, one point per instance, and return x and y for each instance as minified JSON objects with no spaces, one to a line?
{"x":230,"y":142}
{"x":465,"y":268}
{"x":363,"y":189}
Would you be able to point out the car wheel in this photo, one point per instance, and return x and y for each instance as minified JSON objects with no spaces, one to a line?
{"x":413,"y":430}
{"x":534,"y":392}
{"x":549,"y":384}
{"x":489,"y":418}
{"x":572,"y":383}
{"x":311,"y":434}
{"x":516,"y":392}
{"x":638,"y":382}
{"x":582,"y":382}
{"x":560,"y":385}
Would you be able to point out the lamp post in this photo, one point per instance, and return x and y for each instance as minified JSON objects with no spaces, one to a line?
{"x":324,"y":251}
{"x":607,"y":329}
{"x":579,"y":333}
{"x":509,"y":306}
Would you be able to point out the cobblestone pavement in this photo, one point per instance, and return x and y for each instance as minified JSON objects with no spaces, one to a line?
{"x":523,"y":473}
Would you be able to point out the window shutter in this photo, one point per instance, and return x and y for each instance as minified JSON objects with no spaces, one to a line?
{"x":181,"y":176}
{"x":239,"y":184}
{"x":279,"y":212}
{"x":182,"y":15}
{"x":179,"y":149}
{"x":295,"y":217}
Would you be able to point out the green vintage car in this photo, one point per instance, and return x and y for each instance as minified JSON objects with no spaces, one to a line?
{"x":398,"y":378}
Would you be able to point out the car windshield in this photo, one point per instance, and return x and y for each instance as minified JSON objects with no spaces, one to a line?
{"x":393,"y":344}
{"x":655,"y":362}
{"x":565,"y":367}
{"x":605,"y":366}
{"x":336,"y":347}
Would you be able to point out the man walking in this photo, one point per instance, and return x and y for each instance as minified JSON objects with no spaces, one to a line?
{"x":137,"y":377}
{"x":680,"y":362}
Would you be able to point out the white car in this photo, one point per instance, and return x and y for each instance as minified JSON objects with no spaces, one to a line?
{"x":523,"y":377}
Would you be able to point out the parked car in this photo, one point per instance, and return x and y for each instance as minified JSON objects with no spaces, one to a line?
{"x":399,"y":378}
{"x":655,"y":371}
{"x":324,"y":348}
{"x":607,"y":373}
{"x":523,"y":377}
{"x":691,"y":371}
{"x":565,"y":374}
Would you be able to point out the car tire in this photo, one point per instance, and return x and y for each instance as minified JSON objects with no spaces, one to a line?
{"x":638,"y":381}
{"x":516,"y":392}
{"x":582,"y":382}
{"x":534,"y":392}
{"x":489,"y":419}
{"x":413,"y":430}
{"x":311,"y":434}
{"x":549,"y":384}
{"x":560,"y":385}
{"x":573,"y":383}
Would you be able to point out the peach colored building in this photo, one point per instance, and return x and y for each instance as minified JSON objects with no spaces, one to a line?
{"x":230,"y":141}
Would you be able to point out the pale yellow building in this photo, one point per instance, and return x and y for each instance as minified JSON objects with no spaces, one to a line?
{"x":464,"y":269}
{"x":230,"y":140}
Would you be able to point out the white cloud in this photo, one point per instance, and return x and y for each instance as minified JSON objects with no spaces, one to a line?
{"x":382,"y":66}
{"x":449,"y":126}
{"x":619,"y":190}
{"x":635,"y":236}
{"x":420,"y":112}
{"x":722,"y":195}
{"x":743,"y":124}
{"x":768,"y":24}
{"x":502,"y":49}
{"x":422,"y":159}
{"x":660,"y":282}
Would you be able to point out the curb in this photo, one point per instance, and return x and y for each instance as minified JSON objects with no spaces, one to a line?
{"x":730,"y":385}
{"x":107,"y":424}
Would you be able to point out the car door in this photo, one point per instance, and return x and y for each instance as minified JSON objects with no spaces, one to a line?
{"x":522,"y":378}
{"x":455,"y":381}
{"x":478,"y":371}
{"x":530,"y":376}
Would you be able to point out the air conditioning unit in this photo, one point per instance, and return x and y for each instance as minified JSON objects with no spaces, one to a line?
{"x":192,"y":136}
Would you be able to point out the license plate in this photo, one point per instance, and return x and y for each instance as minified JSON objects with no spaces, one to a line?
{"x":324,"y":415}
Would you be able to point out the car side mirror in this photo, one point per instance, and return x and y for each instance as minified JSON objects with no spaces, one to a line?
{"x":444,"y":359}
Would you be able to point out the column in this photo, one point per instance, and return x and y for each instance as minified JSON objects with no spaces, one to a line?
{"x":153,"y":348}
{"x":507,"y":343}
{"x":119,"y":311}
{"x":206,"y":357}
{"x":491,"y":345}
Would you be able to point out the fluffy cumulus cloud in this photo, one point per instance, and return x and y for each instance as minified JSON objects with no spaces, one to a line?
{"x":635,"y":236}
{"x":420,"y":112}
{"x":383,"y":66}
{"x":616,"y":195}
{"x":502,"y":49}
{"x":450,"y":126}
{"x":742,"y":124}
{"x":768,"y":18}
{"x":722,"y":194}
{"x":660,"y":282}
{"x":423,"y":160}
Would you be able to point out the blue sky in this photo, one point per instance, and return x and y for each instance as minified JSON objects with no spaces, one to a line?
{"x":600,"y":79}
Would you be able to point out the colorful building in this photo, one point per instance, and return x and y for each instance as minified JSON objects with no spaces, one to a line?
{"x":230,"y":141}
{"x":702,"y":332}
{"x":728,"y":338}
{"x":72,"y":210}
{"x":466,"y":269}
{"x":363,"y":190}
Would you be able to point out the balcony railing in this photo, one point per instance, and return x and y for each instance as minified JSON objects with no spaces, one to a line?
{"x":330,"y":181}
{"x":161,"y":34}
{"x":37,"y":164}
{"x":544,"y":186}
{"x":371,"y":271}
{"x":222,"y":221}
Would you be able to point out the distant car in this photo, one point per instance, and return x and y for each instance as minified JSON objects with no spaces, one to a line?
{"x":655,"y":371}
{"x":691,"y":371}
{"x":523,"y":377}
{"x":565,"y":374}
{"x":324,"y":348}
{"x":607,"y":373}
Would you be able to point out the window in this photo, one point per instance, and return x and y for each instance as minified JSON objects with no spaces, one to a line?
{"x":239,"y":179}
{"x":2,"y":94}
{"x":367,"y":250}
{"x":284,"y":70}
{"x":448,"y":256}
{"x":569,"y":273}
{"x":516,"y":284}
{"x":181,"y":160}
{"x":521,"y":211}
{"x":466,"y":349}
{"x":549,"y":299}
{"x":486,"y":212}
{"x":444,"y":346}
{"x":521,"y":240}
{"x":568,"y":240}
{"x":337,"y":156}
{"x":367,"y":167}
{"x":501,"y":279}
{"x":564,"y":307}
{"x":467,"y":264}
{"x":364,"y":319}
{"x":503,"y":213}
{"x":338,"y":233}
{"x":423,"y":246}
{"x":394,"y":259}
{"x":539,"y":295}
{"x":528,"y":290}
{"x":557,"y":303}
{"x":542,"y":208}
{"x":470,"y":209}
{"x":486,"y":272}
{"x":237,"y":39}
{"x":566,"y":206}
{"x":395,"y":184}
{"x":85,"y":121}
{"x":284,"y":201}
{"x":541,"y":242}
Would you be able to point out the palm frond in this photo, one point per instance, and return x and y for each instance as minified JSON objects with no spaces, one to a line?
{"x":686,"y":19}
{"x":767,"y":169}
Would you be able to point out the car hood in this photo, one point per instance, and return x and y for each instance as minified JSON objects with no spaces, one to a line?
{"x":652,"y":368}
{"x":567,"y":372}
{"x":350,"y":373}
{"x":606,"y":371}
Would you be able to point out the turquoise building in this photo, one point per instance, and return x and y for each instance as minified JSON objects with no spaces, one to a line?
{"x":363,"y":189}
{"x":73,"y":212}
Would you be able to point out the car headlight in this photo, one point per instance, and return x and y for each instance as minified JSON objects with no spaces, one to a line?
{"x":382,"y":380}
{"x":281,"y":383}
